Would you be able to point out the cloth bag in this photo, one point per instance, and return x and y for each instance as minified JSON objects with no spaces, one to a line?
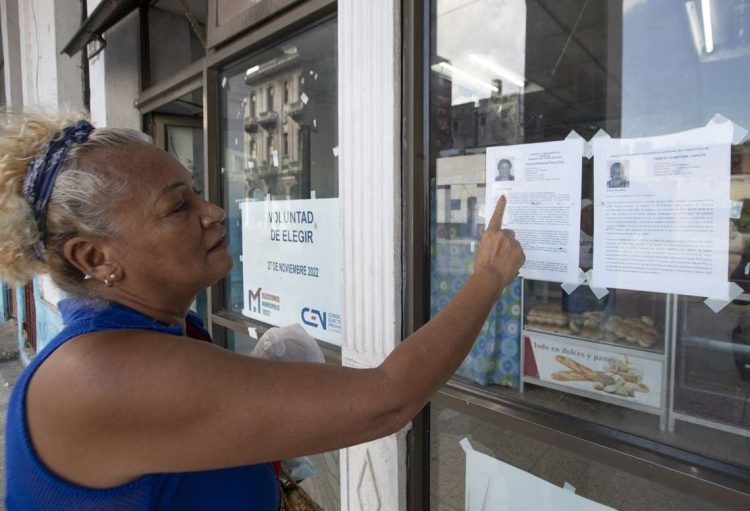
{"x":293,"y":496}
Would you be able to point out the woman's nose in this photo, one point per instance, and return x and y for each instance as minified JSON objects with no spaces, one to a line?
{"x":211,"y":214}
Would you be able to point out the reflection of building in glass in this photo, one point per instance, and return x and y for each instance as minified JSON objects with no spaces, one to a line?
{"x":496,"y":120}
{"x":275,"y":129}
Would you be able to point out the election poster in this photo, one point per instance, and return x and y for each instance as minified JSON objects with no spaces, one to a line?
{"x":662,"y":211}
{"x":542,"y":183}
{"x":290,"y":264}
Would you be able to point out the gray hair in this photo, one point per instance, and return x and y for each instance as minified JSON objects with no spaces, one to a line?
{"x":80,"y":201}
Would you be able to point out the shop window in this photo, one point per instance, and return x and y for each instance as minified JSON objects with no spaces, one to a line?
{"x":534,"y":473}
{"x":282,"y":219}
{"x":647,"y":358}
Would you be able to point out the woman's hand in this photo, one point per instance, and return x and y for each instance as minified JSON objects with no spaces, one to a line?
{"x":499,"y":256}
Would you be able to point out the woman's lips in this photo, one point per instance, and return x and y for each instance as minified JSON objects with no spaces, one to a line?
{"x":221,"y":244}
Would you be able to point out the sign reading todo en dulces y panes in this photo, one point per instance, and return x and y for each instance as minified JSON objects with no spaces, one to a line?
{"x":290,"y":260}
{"x":602,"y":372}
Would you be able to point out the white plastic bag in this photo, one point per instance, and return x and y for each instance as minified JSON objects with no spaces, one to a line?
{"x":290,"y":343}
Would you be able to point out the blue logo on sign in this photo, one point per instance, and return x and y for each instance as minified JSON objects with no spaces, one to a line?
{"x":314,"y":318}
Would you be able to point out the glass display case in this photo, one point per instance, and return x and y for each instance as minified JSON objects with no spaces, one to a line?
{"x":614,"y":348}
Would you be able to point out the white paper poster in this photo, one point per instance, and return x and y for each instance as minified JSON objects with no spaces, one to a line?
{"x":290,"y":265}
{"x":542,"y":183}
{"x":661,"y":212}
{"x":493,"y":485}
{"x":604,"y":372}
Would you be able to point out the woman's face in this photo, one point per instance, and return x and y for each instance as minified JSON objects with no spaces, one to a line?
{"x":171,"y":240}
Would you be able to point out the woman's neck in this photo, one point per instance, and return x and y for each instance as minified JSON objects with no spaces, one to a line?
{"x":170,"y":312}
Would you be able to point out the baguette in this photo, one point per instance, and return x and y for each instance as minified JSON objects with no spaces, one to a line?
{"x":575,"y":366}
{"x":568,"y":376}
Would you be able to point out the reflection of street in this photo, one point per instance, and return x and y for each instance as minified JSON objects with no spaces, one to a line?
{"x":591,"y":479}
{"x":713,"y":364}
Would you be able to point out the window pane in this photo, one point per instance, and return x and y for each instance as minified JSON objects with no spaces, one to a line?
{"x":186,"y":144}
{"x":591,"y":478}
{"x":177,"y":127}
{"x":511,"y":73}
{"x":240,"y":343}
{"x":278,"y":156}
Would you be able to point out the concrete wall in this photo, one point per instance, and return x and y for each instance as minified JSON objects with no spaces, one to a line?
{"x":115,"y":75}
{"x":11,"y":53}
{"x":171,"y":44}
{"x":49,"y":79}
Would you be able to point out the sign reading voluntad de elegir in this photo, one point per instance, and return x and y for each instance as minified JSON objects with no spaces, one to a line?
{"x":290,"y":260}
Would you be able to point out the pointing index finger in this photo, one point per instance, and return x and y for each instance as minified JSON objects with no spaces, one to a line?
{"x":496,"y":222}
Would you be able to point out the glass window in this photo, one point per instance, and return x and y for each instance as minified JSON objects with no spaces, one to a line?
{"x":295,"y":177}
{"x":286,"y":92}
{"x":590,"y":478}
{"x":177,"y":127}
{"x":511,"y":73}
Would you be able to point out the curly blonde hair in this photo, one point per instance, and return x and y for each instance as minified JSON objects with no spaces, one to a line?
{"x":80,"y":196}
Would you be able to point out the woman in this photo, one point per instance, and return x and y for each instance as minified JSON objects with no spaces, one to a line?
{"x":126,"y":408}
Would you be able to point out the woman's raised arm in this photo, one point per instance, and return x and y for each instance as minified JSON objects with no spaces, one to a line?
{"x":127,"y":403}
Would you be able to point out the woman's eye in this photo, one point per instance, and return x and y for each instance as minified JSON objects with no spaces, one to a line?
{"x":181,"y":207}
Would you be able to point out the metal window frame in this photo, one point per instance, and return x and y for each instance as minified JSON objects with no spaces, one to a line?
{"x":712,"y":480}
{"x":188,"y":79}
{"x":203,"y":74}
{"x":217,"y":33}
{"x":300,"y":17}
{"x":415,"y":226}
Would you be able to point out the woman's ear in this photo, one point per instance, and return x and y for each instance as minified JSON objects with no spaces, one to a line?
{"x":86,"y":255}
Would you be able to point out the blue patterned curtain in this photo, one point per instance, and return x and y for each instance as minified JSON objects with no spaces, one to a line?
{"x":495,"y":356}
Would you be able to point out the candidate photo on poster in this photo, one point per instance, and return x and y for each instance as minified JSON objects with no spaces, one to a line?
{"x":505,"y":170}
{"x":618,"y":174}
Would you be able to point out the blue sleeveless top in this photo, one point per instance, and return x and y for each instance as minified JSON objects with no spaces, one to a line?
{"x":31,"y":486}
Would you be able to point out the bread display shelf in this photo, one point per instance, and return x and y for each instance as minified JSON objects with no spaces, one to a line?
{"x":639,"y":333}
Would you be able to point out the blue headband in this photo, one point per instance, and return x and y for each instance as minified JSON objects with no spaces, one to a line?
{"x":42,"y":171}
